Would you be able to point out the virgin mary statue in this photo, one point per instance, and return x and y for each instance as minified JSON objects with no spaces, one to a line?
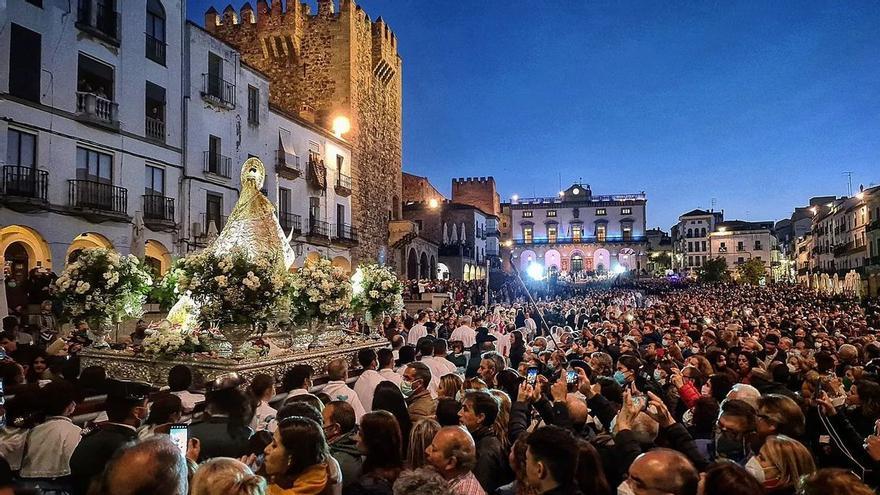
{"x":253,"y":225}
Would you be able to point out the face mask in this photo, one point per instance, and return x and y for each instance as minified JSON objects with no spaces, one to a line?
{"x":695,"y":350}
{"x":755,"y":469}
{"x":729,"y":448}
{"x":792,"y":368}
{"x":406,"y":388}
{"x":665,"y":342}
{"x":620,"y":377}
{"x":536,"y":350}
{"x":658,"y":377}
{"x":459,"y":396}
{"x":624,"y":489}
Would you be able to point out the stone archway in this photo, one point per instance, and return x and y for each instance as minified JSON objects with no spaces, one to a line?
{"x":552,"y":258}
{"x":35,"y":246}
{"x":412,"y":265}
{"x":526,"y":257}
{"x":626,"y":257}
{"x":157,"y":257}
{"x":342,"y":263}
{"x":602,"y":260}
{"x":87,"y":240}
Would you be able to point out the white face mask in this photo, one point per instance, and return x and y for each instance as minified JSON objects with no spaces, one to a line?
{"x":755,"y":469}
{"x":624,"y":488}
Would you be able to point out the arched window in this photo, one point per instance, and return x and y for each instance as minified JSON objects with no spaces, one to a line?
{"x":690,"y":233}
{"x":155,"y":31}
{"x":703,"y":232}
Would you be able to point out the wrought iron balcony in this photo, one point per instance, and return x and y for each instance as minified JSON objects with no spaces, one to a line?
{"x":155,"y":49}
{"x":158,"y":209}
{"x":218,"y":164}
{"x":98,"y":197}
{"x":290,"y":222}
{"x":154,"y":129}
{"x":287,"y":165}
{"x":317,"y":228}
{"x":217,"y":90}
{"x":343,"y":185}
{"x":25,"y":185}
{"x":97,"y":109}
{"x":580,"y":239}
{"x":345,"y":233}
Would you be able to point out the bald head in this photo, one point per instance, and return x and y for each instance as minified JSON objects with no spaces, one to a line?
{"x":337,"y":370}
{"x":452,"y":451}
{"x":664,"y":470}
{"x":577,"y":410}
{"x":745,"y":393}
{"x":161,"y":468}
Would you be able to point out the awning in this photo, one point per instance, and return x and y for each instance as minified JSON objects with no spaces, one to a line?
{"x":285,"y":138}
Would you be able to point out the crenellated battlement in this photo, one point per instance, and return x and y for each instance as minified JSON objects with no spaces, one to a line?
{"x":486,"y":181}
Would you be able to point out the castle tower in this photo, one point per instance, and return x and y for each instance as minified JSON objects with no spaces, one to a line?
{"x":336,"y":62}
{"x":478,"y":192}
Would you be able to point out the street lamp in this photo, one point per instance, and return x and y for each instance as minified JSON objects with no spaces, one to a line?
{"x":341,"y":125}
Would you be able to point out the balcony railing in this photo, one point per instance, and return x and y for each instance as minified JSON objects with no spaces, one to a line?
{"x":290,"y":222}
{"x":154,"y":128}
{"x":318,"y":228}
{"x":218,"y":164}
{"x":98,"y":196}
{"x":873,"y":225}
{"x":25,"y":182}
{"x":104,"y":23}
{"x":346,"y":232}
{"x":287,"y":164}
{"x":218,"y":90}
{"x":158,"y":208}
{"x":581,"y":239}
{"x":343,"y":183}
{"x":97,"y":108}
{"x":155,"y":49}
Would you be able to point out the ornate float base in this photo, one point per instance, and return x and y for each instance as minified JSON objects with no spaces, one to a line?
{"x":333,"y":344}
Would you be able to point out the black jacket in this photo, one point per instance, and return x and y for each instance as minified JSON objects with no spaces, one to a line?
{"x":492,"y":469}
{"x":97,"y":446}
{"x":220,"y":439}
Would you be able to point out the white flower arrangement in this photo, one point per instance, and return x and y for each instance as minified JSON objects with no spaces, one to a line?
{"x":378,"y":290}
{"x":231,"y":288}
{"x":167,"y":339}
{"x":320,"y":292}
{"x":103,"y":287}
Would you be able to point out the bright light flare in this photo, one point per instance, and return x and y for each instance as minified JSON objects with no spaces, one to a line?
{"x":618,"y":269}
{"x":357,"y":281}
{"x":432,"y":203}
{"x":535,"y":271}
{"x":341,"y":125}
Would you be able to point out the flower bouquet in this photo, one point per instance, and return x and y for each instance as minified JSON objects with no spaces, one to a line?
{"x":320,"y":293}
{"x":170,"y":340}
{"x":232,"y":292}
{"x":377,"y":291}
{"x":102,"y":288}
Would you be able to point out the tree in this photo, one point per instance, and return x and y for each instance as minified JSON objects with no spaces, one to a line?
{"x":714,"y":270}
{"x":662,"y":261}
{"x":751,"y":272}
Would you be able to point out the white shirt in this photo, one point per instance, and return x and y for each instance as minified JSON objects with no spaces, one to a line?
{"x":415,"y":333}
{"x":12,"y":445}
{"x":50,"y":446}
{"x":264,"y":416}
{"x":391,"y":375}
{"x":365,"y":387}
{"x":189,"y":400}
{"x":338,"y":390}
{"x":439,"y":367}
{"x":465,"y":334}
{"x":502,"y":345}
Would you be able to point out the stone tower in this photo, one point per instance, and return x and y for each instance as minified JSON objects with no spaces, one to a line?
{"x":478,"y":192}
{"x":334,"y":63}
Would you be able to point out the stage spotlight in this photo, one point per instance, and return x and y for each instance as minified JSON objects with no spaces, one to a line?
{"x":618,"y":269}
{"x":535,"y":271}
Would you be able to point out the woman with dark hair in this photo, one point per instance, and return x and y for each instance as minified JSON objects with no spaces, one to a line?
{"x":718,"y":359}
{"x":380,"y":442}
{"x":728,"y":478}
{"x":627,"y":369}
{"x":39,"y":368}
{"x":864,"y":399}
{"x":717,"y":386}
{"x":508,"y":380}
{"x":295,"y":460}
{"x":164,"y":411}
{"x":590,"y":474}
{"x":517,"y":348}
{"x":388,"y":397}
{"x":224,"y":430}
{"x":745,"y":361}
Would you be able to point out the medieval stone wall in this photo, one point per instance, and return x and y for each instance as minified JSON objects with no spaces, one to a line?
{"x":478,"y":192}
{"x":327,"y":65}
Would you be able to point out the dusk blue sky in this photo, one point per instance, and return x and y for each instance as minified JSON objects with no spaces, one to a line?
{"x":759,"y":105}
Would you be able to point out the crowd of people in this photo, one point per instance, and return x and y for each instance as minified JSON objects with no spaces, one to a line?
{"x":645,"y":389}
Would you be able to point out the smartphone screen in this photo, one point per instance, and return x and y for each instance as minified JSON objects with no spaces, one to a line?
{"x":572,"y":376}
{"x":532,"y":376}
{"x":179,"y":436}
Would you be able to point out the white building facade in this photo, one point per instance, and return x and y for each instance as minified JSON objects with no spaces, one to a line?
{"x":90,"y":132}
{"x":738,"y":242}
{"x":578,"y":233}
{"x":691,"y":239}
{"x":115,"y":112}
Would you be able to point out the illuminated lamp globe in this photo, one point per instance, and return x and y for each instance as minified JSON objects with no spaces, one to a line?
{"x":535,"y":271}
{"x":575,"y":191}
{"x":341,"y":125}
{"x":432,"y":203}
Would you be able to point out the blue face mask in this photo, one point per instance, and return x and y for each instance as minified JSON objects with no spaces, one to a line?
{"x":620,"y":377}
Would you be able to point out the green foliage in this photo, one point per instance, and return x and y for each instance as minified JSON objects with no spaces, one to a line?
{"x":751,"y":272}
{"x":714,"y":270}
